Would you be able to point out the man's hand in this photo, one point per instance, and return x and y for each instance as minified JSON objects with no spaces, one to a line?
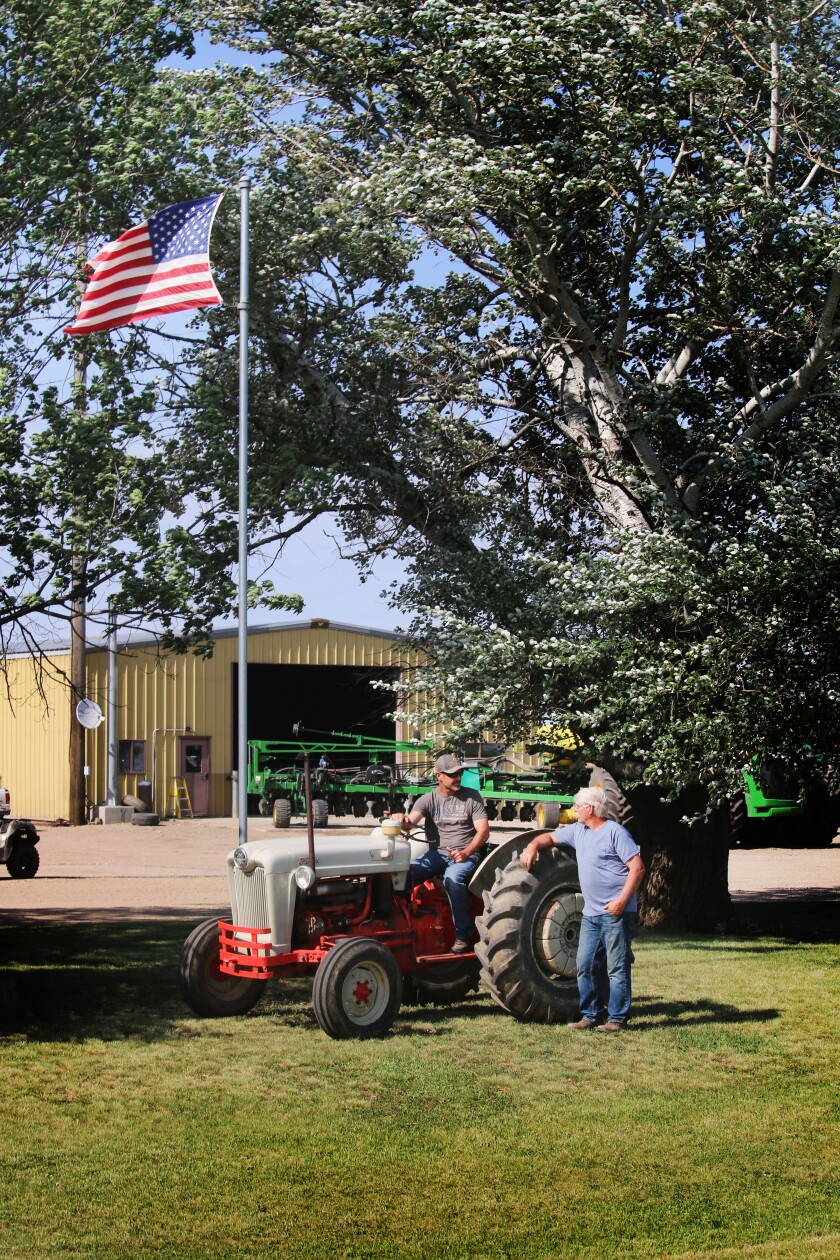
{"x":615,"y":907}
{"x":529,"y":855}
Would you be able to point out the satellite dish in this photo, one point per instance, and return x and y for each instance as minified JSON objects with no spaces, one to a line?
{"x":89,"y":714}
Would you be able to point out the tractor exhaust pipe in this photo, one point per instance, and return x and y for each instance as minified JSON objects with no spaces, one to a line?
{"x":310,"y":825}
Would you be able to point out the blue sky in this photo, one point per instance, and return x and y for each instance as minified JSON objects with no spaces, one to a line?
{"x":312,"y":565}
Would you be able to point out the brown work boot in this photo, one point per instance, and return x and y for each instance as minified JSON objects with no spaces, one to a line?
{"x":583,"y":1025}
{"x":460,"y":946}
{"x":610,"y":1027}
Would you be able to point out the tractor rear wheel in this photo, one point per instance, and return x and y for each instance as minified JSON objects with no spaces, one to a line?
{"x":205,"y":988}
{"x":528,"y":938}
{"x":357,"y":990}
{"x":24,"y":860}
{"x":441,"y":985}
{"x":282,"y":812}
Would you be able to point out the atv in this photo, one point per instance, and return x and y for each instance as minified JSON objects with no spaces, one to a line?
{"x":18,"y":838}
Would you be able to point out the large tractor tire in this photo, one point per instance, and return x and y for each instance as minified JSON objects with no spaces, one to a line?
{"x":619,"y":808}
{"x":357,"y":990}
{"x":282,"y":812}
{"x":528,"y":938}
{"x":24,"y":860}
{"x":441,"y":985}
{"x":207,"y":989}
{"x":320,"y":813}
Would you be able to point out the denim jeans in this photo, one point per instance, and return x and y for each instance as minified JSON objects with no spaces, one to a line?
{"x":605,"y":935}
{"x":456,"y":876}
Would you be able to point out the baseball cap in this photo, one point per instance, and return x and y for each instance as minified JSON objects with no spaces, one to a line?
{"x":447,"y":764}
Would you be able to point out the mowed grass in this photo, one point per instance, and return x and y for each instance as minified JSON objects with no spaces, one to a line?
{"x":130,"y":1128}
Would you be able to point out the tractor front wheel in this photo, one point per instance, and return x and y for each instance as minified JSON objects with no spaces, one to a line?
{"x":207,"y":989}
{"x":357,"y":990}
{"x":528,"y":938}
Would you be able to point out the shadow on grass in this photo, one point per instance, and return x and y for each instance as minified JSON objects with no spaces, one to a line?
{"x":116,"y":981}
{"x":794,"y":919}
{"x":105,"y":980}
{"x":651,"y":1012}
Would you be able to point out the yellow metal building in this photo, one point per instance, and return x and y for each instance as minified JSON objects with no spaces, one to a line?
{"x":177,"y":714}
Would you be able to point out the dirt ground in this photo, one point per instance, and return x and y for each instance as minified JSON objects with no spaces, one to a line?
{"x":177,"y":871}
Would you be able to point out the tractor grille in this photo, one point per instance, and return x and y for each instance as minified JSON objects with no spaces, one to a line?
{"x":249,"y":903}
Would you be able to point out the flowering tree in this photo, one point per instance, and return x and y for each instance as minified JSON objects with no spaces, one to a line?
{"x":606,"y":439}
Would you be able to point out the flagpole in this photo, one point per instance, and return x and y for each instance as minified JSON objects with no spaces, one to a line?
{"x":242,"y":774}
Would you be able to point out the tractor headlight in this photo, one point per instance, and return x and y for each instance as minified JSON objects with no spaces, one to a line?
{"x":240,"y":859}
{"x":304,"y":877}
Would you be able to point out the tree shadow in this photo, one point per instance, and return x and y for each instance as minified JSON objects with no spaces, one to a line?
{"x":794,"y":918}
{"x":69,"y":982}
{"x":649,"y":1013}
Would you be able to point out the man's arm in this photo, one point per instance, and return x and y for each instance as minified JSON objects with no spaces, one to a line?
{"x":482,"y":835}
{"x":528,"y":855}
{"x":635,"y":875}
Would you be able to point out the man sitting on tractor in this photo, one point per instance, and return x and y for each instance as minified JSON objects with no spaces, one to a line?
{"x":457,"y":829}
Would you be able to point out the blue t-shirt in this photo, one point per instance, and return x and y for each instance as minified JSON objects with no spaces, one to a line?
{"x":602,"y":857}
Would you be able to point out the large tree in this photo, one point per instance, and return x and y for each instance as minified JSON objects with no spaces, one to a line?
{"x":98,"y":132}
{"x":606,"y":440}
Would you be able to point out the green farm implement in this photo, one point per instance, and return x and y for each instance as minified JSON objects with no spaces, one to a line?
{"x":357,"y":775}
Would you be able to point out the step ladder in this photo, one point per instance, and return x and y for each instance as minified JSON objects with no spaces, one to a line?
{"x":179,"y":804}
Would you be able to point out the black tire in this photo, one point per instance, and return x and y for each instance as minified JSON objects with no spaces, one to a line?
{"x":547,"y":815}
{"x":442,"y":985}
{"x":357,"y":990}
{"x":282,"y":812}
{"x":619,"y":808}
{"x":320,"y":813}
{"x":145,"y":820}
{"x":738,"y":821}
{"x":207,"y":989}
{"x":24,"y":860}
{"x":528,"y":938}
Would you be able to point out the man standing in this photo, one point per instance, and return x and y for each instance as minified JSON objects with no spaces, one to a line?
{"x":457,"y":829}
{"x":610,"y":869}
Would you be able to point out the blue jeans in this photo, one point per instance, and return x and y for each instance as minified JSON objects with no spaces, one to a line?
{"x":456,"y":876}
{"x":605,"y":935}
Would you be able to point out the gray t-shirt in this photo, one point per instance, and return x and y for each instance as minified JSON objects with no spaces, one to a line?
{"x":450,"y":820}
{"x":602,"y":857}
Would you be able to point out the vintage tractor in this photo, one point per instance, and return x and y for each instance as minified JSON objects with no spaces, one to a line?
{"x":18,"y":838}
{"x":342,"y":914}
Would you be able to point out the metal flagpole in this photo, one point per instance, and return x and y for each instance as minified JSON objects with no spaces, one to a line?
{"x":242,"y":773}
{"x":111,"y":779}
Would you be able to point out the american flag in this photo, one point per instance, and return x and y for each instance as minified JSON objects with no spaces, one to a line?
{"x":158,"y":267}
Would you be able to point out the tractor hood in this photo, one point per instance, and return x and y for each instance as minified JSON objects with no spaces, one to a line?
{"x":263,"y":890}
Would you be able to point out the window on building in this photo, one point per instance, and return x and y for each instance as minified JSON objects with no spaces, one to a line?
{"x":132,"y":756}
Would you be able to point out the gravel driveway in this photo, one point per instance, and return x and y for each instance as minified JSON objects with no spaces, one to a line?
{"x":177,"y":871}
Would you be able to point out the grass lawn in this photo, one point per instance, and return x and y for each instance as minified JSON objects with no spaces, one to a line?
{"x":130,"y":1128}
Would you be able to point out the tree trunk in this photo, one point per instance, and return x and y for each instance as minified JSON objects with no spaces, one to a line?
{"x":686,"y":887}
